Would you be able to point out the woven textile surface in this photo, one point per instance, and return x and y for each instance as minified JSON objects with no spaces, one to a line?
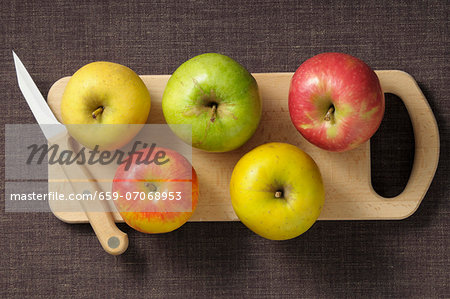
{"x":43,"y":257}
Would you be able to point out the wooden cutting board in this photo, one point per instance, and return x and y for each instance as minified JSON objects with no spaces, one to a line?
{"x":349,"y":193}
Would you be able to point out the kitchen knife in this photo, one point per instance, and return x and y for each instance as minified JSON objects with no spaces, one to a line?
{"x":113,"y":240}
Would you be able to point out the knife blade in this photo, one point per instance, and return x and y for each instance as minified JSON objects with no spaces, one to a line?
{"x":44,"y":116}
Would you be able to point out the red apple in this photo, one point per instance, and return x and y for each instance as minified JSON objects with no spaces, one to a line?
{"x":159,"y":196}
{"x":336,"y":101}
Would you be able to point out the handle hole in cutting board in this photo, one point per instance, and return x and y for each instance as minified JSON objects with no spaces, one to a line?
{"x":392,"y":149}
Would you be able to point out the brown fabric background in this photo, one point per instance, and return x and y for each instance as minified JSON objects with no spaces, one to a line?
{"x":43,"y":257}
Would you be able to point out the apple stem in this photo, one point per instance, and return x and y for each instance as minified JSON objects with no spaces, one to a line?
{"x":97,"y":112}
{"x":329,"y":115}
{"x":278,"y":194}
{"x":152,"y":187}
{"x":213,"y":112}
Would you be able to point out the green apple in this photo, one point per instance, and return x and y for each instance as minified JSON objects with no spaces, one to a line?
{"x":277,"y":191}
{"x":105,"y":104}
{"x":216,"y":97}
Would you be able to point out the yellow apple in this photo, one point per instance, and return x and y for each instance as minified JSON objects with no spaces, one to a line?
{"x":105,"y":104}
{"x":277,"y":191}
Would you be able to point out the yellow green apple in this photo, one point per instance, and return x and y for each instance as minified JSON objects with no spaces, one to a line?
{"x":105,"y":104}
{"x":277,"y":191}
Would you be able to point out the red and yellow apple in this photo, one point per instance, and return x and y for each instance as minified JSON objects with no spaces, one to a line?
{"x":277,"y":191}
{"x":105,"y":104}
{"x":336,"y":101}
{"x":156,"y":197}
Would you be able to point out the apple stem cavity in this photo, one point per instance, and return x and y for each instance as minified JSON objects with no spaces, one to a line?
{"x":330,"y":114}
{"x":97,"y":112}
{"x":278,"y":194}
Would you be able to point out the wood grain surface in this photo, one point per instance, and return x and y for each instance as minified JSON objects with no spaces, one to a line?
{"x":349,"y":193}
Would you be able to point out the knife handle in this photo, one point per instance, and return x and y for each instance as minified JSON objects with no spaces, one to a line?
{"x":112,"y":239}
